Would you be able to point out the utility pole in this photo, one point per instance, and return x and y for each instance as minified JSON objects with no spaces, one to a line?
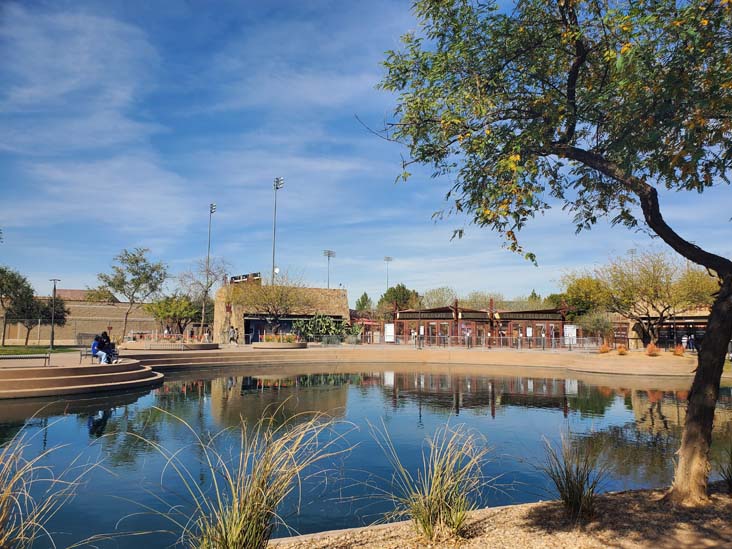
{"x":211,"y":210}
{"x":279,"y":182}
{"x":387,"y":259}
{"x":329,"y":254}
{"x":53,"y":309}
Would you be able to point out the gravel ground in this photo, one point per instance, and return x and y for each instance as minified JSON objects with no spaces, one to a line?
{"x":631,"y":519}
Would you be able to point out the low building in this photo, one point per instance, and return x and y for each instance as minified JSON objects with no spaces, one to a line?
{"x":251,"y":322}
{"x":85,"y":317}
{"x":455,"y":325}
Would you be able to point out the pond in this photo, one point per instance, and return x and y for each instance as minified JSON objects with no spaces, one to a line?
{"x":637,"y":421}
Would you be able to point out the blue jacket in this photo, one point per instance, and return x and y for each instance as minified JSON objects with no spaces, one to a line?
{"x":94,"y":348}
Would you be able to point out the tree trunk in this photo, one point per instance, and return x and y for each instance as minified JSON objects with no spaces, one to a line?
{"x":27,"y":334}
{"x":693,"y":467}
{"x":124,"y":324}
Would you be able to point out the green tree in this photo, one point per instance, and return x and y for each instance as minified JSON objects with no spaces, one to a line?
{"x":597,"y":323}
{"x":364,"y":303}
{"x":583,"y":294}
{"x":439,"y":297}
{"x":14,"y":287}
{"x":588,"y":104}
{"x":650,"y":287}
{"x":177,"y":308}
{"x":134,"y":277}
{"x":398,"y":296}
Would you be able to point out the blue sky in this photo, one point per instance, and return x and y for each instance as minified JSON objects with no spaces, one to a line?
{"x":121,"y":121}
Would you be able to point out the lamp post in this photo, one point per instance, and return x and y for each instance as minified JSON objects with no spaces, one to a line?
{"x":329,"y":254}
{"x":279,"y":182}
{"x":211,"y":211}
{"x":387,"y":259}
{"x":53,"y":309}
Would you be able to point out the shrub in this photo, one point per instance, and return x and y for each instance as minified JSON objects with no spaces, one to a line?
{"x":248,"y":486}
{"x":652,"y":350}
{"x":445,"y":489}
{"x":679,"y":350}
{"x":604,"y":348}
{"x":576,"y":472}
{"x":622,"y":350}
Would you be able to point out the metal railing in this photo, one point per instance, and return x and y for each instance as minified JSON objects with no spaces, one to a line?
{"x":502,"y":342}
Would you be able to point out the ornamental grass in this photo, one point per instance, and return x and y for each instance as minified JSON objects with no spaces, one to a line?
{"x":576,"y":472}
{"x":30,"y":494}
{"x":438,"y":498}
{"x":239,"y":507}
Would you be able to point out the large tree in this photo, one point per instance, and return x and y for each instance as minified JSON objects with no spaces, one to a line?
{"x":399,"y":297}
{"x":589,"y":104}
{"x":14,"y":288}
{"x":650,"y":288}
{"x":364,"y":303}
{"x":177,"y":308}
{"x":199,"y":281}
{"x":273,"y":300}
{"x":134,"y":277}
{"x":443,"y":296}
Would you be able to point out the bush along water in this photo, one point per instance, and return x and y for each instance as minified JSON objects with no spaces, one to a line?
{"x":438,"y":498}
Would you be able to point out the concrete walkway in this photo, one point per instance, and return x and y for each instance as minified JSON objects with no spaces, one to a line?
{"x":634,"y":363}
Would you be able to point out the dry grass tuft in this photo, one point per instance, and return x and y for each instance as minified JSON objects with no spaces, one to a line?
{"x":576,"y":472}
{"x":446,"y":488}
{"x":22,"y":516}
{"x":604,"y":348}
{"x":240,"y":508}
{"x":679,"y":350}
{"x":622,"y":350}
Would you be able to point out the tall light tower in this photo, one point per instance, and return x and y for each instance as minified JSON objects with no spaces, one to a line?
{"x":279,"y":182}
{"x":387,"y":259}
{"x":329,"y":254}
{"x":53,"y":309}
{"x":211,"y":211}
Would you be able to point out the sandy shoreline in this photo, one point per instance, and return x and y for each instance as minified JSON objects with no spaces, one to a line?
{"x":632,"y":519}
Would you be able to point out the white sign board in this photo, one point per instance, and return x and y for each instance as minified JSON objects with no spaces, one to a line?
{"x":529,"y":331}
{"x":388,"y":333}
{"x":570,"y":334}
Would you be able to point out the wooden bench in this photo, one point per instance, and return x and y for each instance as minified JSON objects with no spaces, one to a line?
{"x":84,"y":353}
{"x":46,"y":358}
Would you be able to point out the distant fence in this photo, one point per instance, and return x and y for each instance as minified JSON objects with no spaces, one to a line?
{"x":39,"y":331}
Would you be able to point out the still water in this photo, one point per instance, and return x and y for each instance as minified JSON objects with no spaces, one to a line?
{"x":637,"y":422}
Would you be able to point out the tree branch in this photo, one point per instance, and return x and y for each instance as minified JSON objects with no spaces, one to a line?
{"x":649,"y":204}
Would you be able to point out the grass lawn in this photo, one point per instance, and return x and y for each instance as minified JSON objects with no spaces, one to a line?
{"x":33,"y":350}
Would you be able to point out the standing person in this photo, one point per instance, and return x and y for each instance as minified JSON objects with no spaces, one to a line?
{"x":232,"y":335}
{"x":684,"y":341}
{"x":692,"y":342}
{"x":236,"y":336}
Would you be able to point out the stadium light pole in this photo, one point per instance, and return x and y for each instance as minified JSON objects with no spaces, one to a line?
{"x":329,"y":254}
{"x":211,"y":211}
{"x":387,"y":259}
{"x":279,"y":182}
{"x":53,"y":309}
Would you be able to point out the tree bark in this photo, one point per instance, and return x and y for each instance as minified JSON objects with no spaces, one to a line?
{"x":692,"y":470}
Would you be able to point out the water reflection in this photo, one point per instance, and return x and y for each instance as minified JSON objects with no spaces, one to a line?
{"x":637,"y":422}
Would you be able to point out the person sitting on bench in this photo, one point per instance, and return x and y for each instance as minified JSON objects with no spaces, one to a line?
{"x":108,"y":347}
{"x":97,"y":351}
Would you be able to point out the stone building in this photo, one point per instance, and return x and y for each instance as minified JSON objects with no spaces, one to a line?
{"x":252,"y":323}
{"x":85,"y":317}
